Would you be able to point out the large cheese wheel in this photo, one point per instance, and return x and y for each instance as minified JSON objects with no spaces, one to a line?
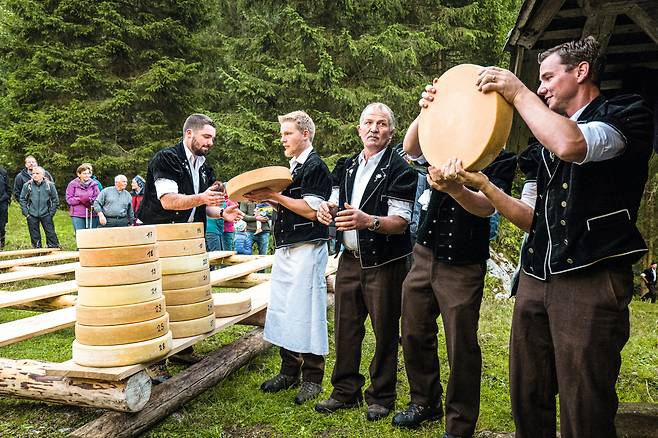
{"x":115,"y":275}
{"x":231,"y":304}
{"x":115,"y":315}
{"x":185,"y":281}
{"x":175,"y":248}
{"x":184,"y":231}
{"x":184,"y":312}
{"x":116,"y":236}
{"x":123,"y":333}
{"x":187,"y":296}
{"x":463,"y":122}
{"x":192,"y":327}
{"x":276,"y":178}
{"x":119,"y":295}
{"x":119,"y":255}
{"x":123,"y":354}
{"x":183,"y":264}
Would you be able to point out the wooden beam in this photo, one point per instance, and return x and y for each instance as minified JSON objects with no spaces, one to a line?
{"x":600,"y":26}
{"x":246,"y":281}
{"x":35,"y":272}
{"x":19,"y":330}
{"x":171,"y":395}
{"x":240,"y":270}
{"x":27,"y":252}
{"x":55,"y":257}
{"x":49,"y":304}
{"x":575,"y":33}
{"x":570,"y":13}
{"x":632,"y":48}
{"x":645,"y":21}
{"x":24,"y":296}
{"x":538,"y":22}
{"x":26,"y":379}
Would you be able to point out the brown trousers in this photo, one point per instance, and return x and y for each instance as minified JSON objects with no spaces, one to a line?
{"x":431,"y":289}
{"x":374,"y":292}
{"x":567,"y":337}
{"x":311,"y":365}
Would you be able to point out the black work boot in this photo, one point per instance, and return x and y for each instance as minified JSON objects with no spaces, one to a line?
{"x":279,"y":383}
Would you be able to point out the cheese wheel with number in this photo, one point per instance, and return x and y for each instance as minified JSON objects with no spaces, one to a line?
{"x":175,"y":248}
{"x":183,"y":264}
{"x":187,"y":296}
{"x":464,"y":122}
{"x":186,"y":312}
{"x":183,"y":231}
{"x":116,"y":236}
{"x":116,"y":275}
{"x":231,"y":303}
{"x":122,"y":333}
{"x":122,"y":354}
{"x":185,"y":281}
{"x":114,"y":315}
{"x":192,"y":327}
{"x":118,"y":255}
{"x":119,"y":295}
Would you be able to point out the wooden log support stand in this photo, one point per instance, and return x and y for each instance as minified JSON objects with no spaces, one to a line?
{"x":125,"y":390}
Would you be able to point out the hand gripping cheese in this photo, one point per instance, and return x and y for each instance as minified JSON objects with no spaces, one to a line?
{"x":115,"y":275}
{"x":117,"y":236}
{"x":231,"y":304}
{"x":122,"y":333}
{"x":115,"y":315}
{"x":118,"y":255}
{"x":123,"y":354}
{"x":183,"y":231}
{"x":188,"y":296}
{"x":175,"y":248}
{"x":463,"y":122}
{"x":184,"y":312}
{"x":185,"y":281}
{"x":184,"y":264}
{"x":119,"y":295}
{"x":276,"y":178}
{"x":192,"y":327}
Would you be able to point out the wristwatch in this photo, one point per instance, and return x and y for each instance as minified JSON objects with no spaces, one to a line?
{"x":375,"y":224}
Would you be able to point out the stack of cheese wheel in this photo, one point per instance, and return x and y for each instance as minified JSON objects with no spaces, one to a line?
{"x":186,"y":278}
{"x":120,"y":312}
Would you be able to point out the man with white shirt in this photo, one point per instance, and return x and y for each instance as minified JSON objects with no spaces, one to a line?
{"x":181,"y":187}
{"x":296,"y":318}
{"x":570,"y":319}
{"x":376,"y":195}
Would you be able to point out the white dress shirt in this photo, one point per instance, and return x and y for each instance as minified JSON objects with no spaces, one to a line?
{"x":312,"y":201}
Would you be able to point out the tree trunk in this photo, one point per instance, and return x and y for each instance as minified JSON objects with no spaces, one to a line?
{"x":26,"y":379}
{"x":175,"y":392}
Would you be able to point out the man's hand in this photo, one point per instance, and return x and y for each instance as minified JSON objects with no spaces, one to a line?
{"x":352,"y":219}
{"x":327,"y":212}
{"x":232,"y":213}
{"x":212,"y":197}
{"x":427,"y":96}
{"x":438,"y":180}
{"x":454,"y":170}
{"x":102,"y":219}
{"x":500,"y":80}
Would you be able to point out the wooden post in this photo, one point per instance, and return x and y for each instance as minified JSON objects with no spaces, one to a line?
{"x":175,"y":392}
{"x":27,"y":379}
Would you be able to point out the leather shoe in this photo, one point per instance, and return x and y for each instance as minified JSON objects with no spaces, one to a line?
{"x":308,"y":391}
{"x":279,"y":383}
{"x":377,"y":412}
{"x":414,"y":415}
{"x":331,"y":405}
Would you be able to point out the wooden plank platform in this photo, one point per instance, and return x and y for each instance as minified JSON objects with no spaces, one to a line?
{"x":24,"y":296}
{"x":55,"y":257}
{"x":36,"y":272}
{"x":27,"y":252}
{"x":19,"y":330}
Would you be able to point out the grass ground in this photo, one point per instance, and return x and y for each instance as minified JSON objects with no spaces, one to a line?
{"x":236,"y":408}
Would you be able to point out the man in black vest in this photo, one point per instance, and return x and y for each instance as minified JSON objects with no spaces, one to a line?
{"x":181,"y":187}
{"x":376,"y":194}
{"x":570,"y":318}
{"x":447,"y":279}
{"x":650,"y":279}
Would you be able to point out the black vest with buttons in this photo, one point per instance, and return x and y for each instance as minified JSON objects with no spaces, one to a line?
{"x":585,"y":214}
{"x":392,"y":179}
{"x":171,"y":163}
{"x":453,"y":234}
{"x":309,"y":179}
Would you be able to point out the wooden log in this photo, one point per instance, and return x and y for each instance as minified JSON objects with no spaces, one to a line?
{"x":26,"y":379}
{"x":27,"y":273}
{"x":26,"y":328}
{"x":257,"y":319}
{"x":175,"y":392}
{"x":27,"y":261}
{"x":49,"y":303}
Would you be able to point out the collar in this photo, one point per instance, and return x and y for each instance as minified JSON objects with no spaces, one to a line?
{"x":374,"y":160}
{"x":193,"y":159}
{"x":301,"y":159}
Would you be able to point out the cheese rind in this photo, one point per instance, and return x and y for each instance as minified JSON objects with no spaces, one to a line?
{"x":276,"y":178}
{"x":123,"y":333}
{"x":187,"y":296}
{"x":181,"y":231}
{"x":115,"y":315}
{"x":231,"y":303}
{"x":187,"y":280}
{"x":119,"y":295}
{"x":185,"y":312}
{"x":117,"y":275}
{"x":118,"y":255}
{"x":116,"y":236}
{"x":122,"y":354}
{"x":175,"y":248}
{"x":192,"y":327}
{"x":184,"y":264}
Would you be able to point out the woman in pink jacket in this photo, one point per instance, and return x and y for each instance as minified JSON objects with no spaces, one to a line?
{"x":80,"y":195}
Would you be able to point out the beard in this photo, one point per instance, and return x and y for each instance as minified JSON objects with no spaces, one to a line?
{"x":197,"y":149}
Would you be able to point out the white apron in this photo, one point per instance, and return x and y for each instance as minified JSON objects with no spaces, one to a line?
{"x":297,"y":312}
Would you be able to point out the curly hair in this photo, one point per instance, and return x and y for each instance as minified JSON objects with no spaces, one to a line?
{"x":574,"y":52}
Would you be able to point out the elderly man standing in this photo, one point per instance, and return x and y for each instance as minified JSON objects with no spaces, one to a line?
{"x":26,"y":174}
{"x":376,"y":195}
{"x":114,"y":205}
{"x":39,"y":203}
